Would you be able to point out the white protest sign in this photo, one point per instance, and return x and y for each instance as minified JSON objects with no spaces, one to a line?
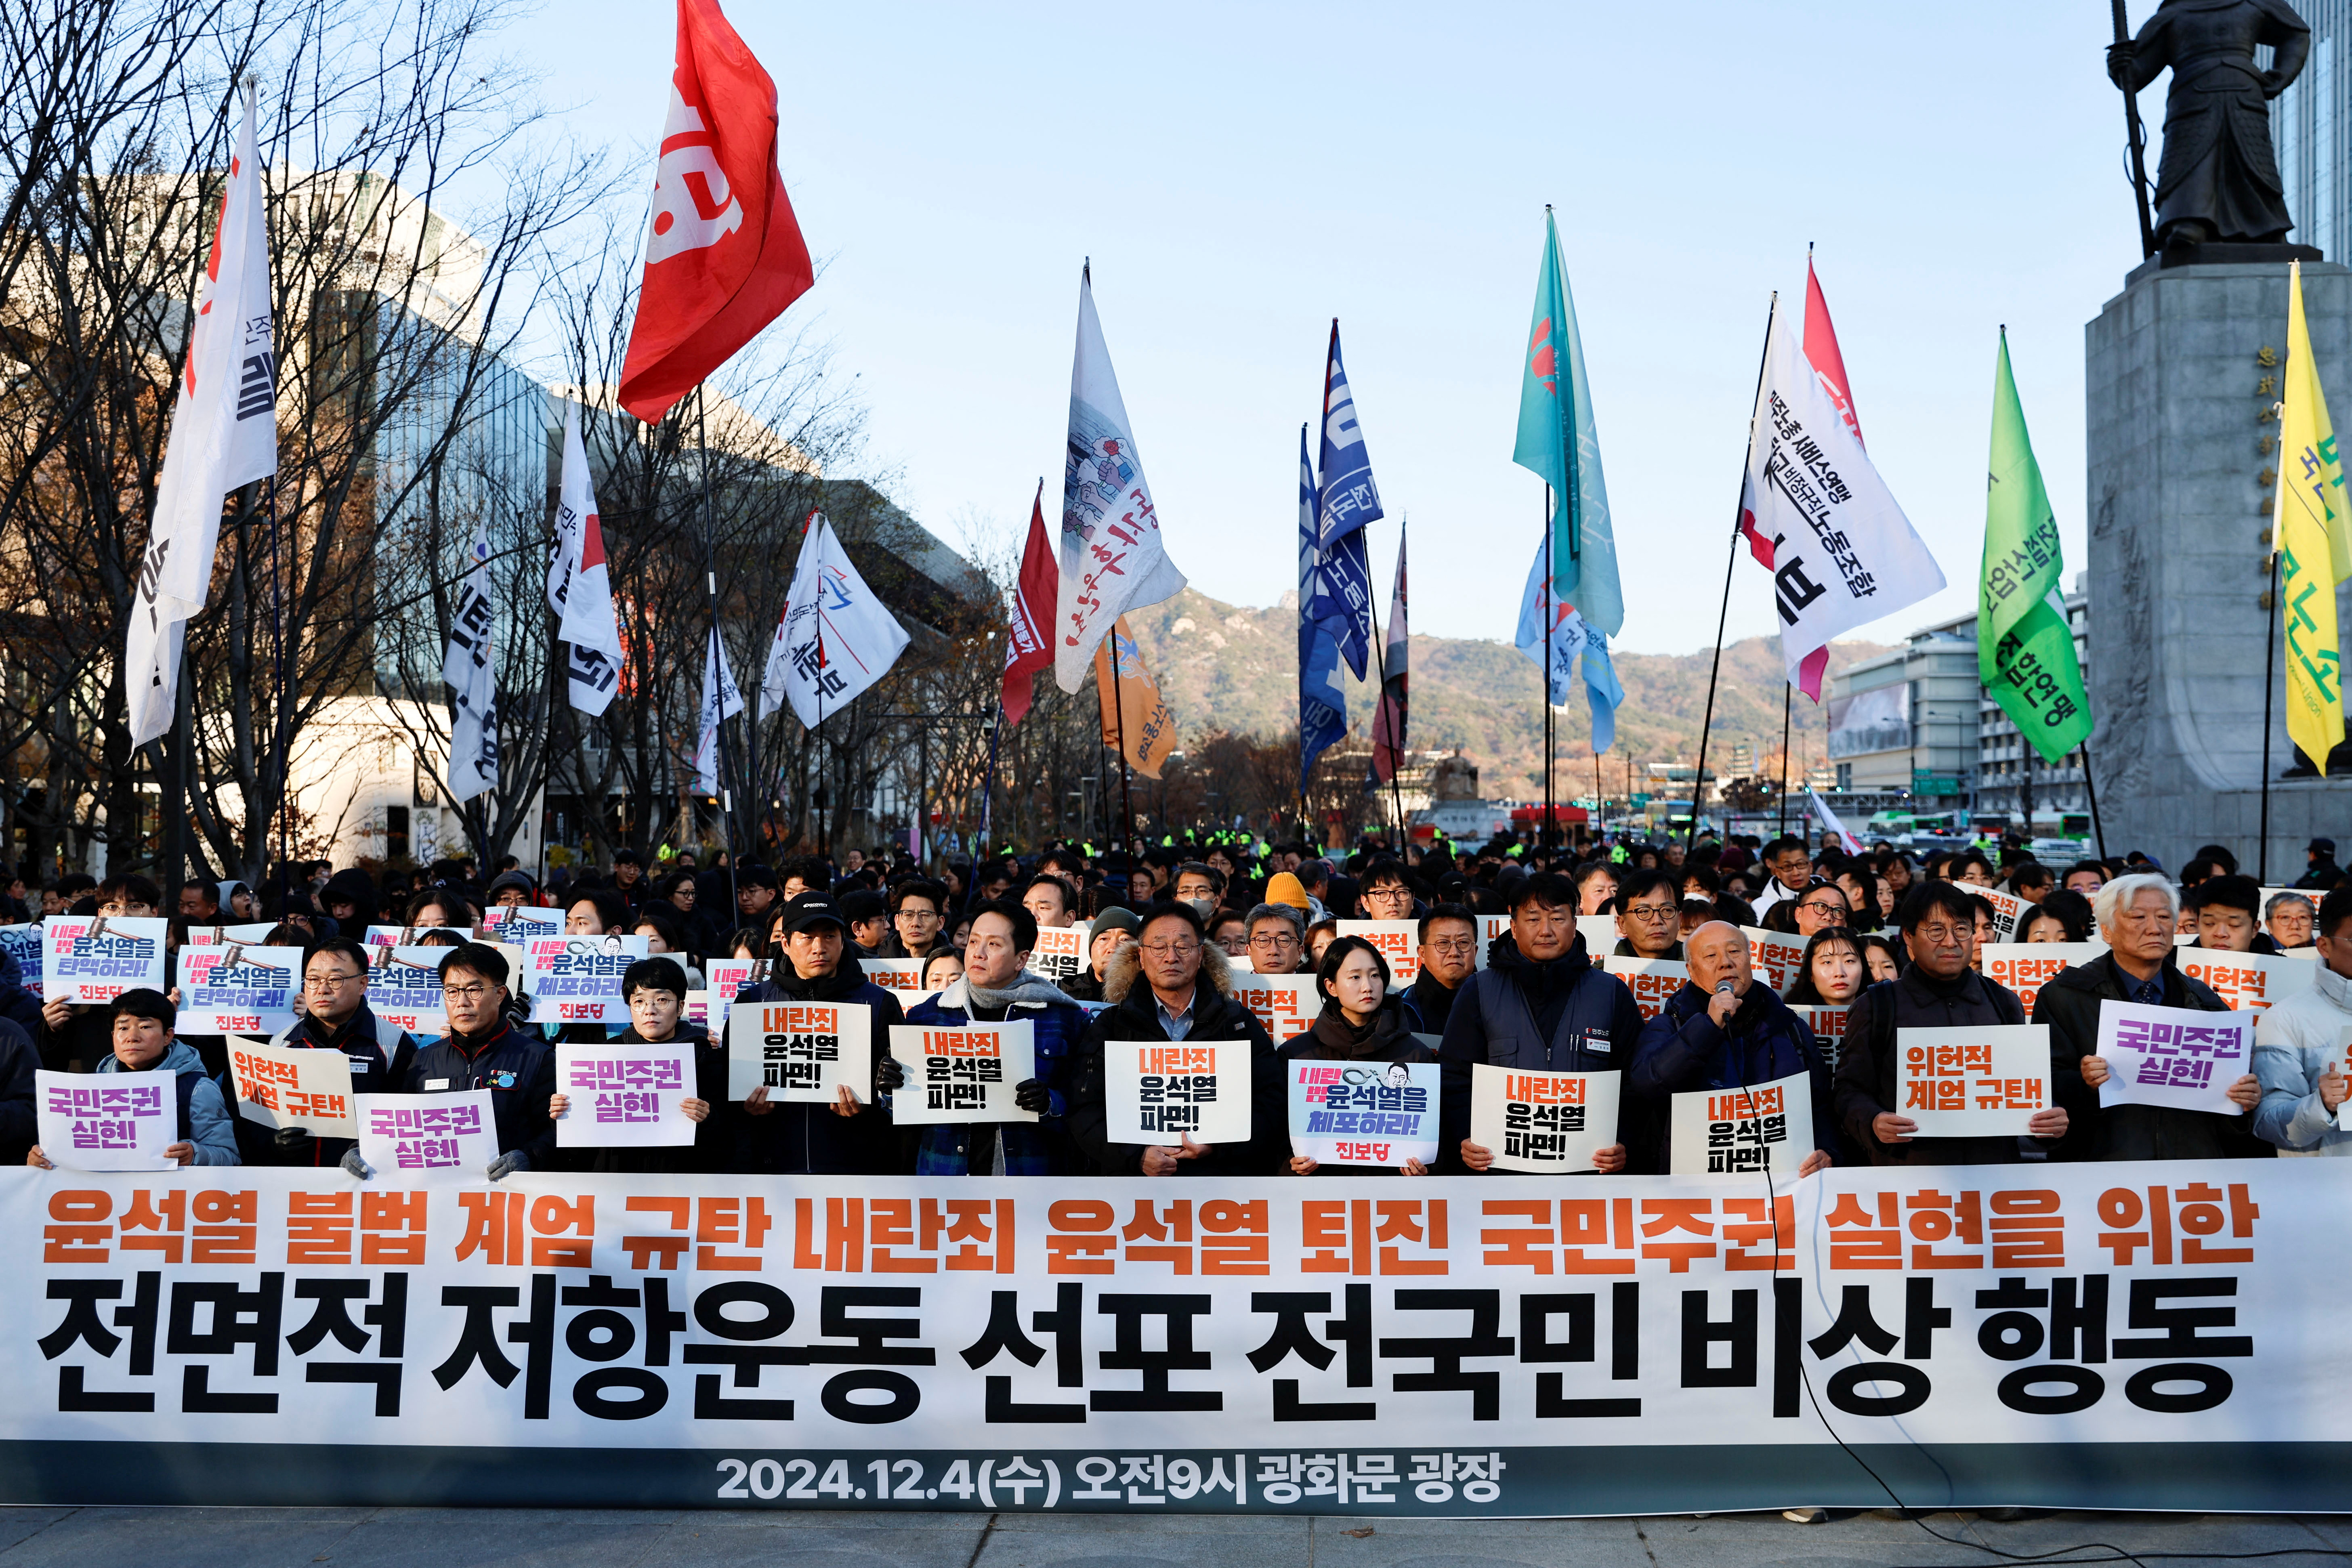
{"x":577,"y":979}
{"x":1740,"y":1132}
{"x":254,"y":932}
{"x":2007,"y":909}
{"x":1060,"y":953}
{"x":2248,"y":982}
{"x":1287,"y":1004}
{"x":1828,"y":1025}
{"x":2178,"y":1057}
{"x":1491,"y":928}
{"x":238,"y":990}
{"x":963,"y":1072}
{"x":108,"y":1121}
{"x":427,"y":1136}
{"x":1600,"y":933}
{"x":1777,"y":957}
{"x":1973,"y":1082}
{"x":708,"y":1006}
{"x":403,"y":988}
{"x":2026,"y":966}
{"x":1154,"y":1092}
{"x":1363,"y":1113}
{"x":1399,"y":942}
{"x":801,"y":1052}
{"x":278,"y":1087}
{"x":23,"y":943}
{"x":1652,"y":981}
{"x":624,"y":1096}
{"x":522,"y":924}
{"x":88,"y":959}
{"x":895,"y":974}
{"x":1542,"y":1123}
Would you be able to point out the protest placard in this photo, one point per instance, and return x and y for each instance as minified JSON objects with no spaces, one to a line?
{"x":1060,"y":953}
{"x":1740,"y":1132}
{"x":1154,"y":1092}
{"x":238,"y":990}
{"x":1828,"y":1025}
{"x":1777,"y":957}
{"x":1491,"y":929}
{"x":1287,"y":1004}
{"x":2026,"y":966}
{"x":2007,"y":909}
{"x":963,"y":1072}
{"x":1363,"y":1113}
{"x":88,"y":959}
{"x":108,"y":1121}
{"x":404,"y":988}
{"x":253,"y":932}
{"x":409,"y":936}
{"x":802,"y":1052}
{"x":1972,"y":1082}
{"x":2179,"y":1057}
{"x":1600,"y":933}
{"x":624,"y":1096}
{"x":520,"y":924}
{"x":23,"y":943}
{"x":724,"y":977}
{"x":895,"y":974}
{"x":278,"y":1087}
{"x":1399,"y":942}
{"x":2248,"y":982}
{"x":1542,"y":1123}
{"x":1652,"y":981}
{"x":427,"y":1136}
{"x":577,"y":979}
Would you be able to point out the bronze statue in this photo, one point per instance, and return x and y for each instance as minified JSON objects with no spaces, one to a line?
{"x":2218,"y":179}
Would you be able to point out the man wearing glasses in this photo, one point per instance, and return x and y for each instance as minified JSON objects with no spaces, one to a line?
{"x":484,"y":1050}
{"x":1791,"y":866}
{"x":1937,"y":990}
{"x":335,"y":1017}
{"x":1449,"y":951}
{"x":1174,"y":985}
{"x":1649,"y":916}
{"x":1385,"y":894}
{"x":1276,"y":944}
{"x":917,"y":916}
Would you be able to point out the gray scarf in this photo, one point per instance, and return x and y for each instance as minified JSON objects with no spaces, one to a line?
{"x":1030,"y":988}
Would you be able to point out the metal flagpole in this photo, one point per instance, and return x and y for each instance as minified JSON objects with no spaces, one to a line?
{"x":1698,"y":783}
{"x":1788,"y":697}
{"x":1551,"y":613}
{"x":278,"y":658}
{"x":2098,"y":833}
{"x":718,"y":666}
{"x":2269,"y":665}
{"x":1126,"y":784}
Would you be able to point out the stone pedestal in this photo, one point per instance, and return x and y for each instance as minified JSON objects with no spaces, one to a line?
{"x":2178,"y":511}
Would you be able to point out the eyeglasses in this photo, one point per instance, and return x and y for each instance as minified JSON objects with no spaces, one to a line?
{"x":1461,"y":948}
{"x":1171,"y":948}
{"x":1823,"y":906}
{"x":1948,"y":936}
{"x":1274,"y":940}
{"x":919,"y":915}
{"x":328,"y":982}
{"x":464,"y":992}
{"x":1658,"y":912}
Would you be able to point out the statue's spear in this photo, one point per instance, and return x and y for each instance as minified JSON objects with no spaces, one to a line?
{"x":2137,"y":133}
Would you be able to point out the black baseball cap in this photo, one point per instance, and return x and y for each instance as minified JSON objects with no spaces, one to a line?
{"x":812,"y":909}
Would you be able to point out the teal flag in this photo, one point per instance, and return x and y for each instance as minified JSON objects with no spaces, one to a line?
{"x":1558,"y":441}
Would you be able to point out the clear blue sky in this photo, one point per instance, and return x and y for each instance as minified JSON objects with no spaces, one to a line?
{"x":1242,"y":173}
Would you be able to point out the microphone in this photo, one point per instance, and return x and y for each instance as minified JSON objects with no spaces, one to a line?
{"x":1722,"y":986}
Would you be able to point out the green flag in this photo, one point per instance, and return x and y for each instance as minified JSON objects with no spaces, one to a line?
{"x":2025,"y":649}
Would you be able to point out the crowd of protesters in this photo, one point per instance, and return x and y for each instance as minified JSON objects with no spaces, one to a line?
{"x":1895,"y":938}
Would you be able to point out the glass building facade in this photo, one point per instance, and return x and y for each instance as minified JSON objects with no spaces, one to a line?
{"x":2311,"y":126}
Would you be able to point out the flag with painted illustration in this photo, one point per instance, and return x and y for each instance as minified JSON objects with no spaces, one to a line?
{"x":1559,"y":440}
{"x":580,"y":581}
{"x":2310,"y":516}
{"x":2025,"y":644}
{"x":835,"y":638}
{"x":223,"y":435}
{"x":1843,"y":552}
{"x":721,"y":700}
{"x":470,"y":667}
{"x":1322,"y":705}
{"x":1389,"y":720}
{"x":1136,"y":719}
{"x":1114,"y":558}
{"x":1572,"y":636}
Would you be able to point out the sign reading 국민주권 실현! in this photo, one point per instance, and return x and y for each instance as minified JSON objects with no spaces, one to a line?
{"x":107,"y":1122}
{"x":2070,"y":1334}
{"x":625,"y":1095}
{"x":427,"y":1138}
{"x":2176,"y":1057}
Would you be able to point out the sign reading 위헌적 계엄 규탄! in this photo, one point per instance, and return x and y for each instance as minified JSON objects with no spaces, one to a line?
{"x":1399,"y":942}
{"x":1287,"y":1004}
{"x":282,"y":1088}
{"x":801,"y":1052}
{"x":2026,"y":966}
{"x":1974,"y":1081}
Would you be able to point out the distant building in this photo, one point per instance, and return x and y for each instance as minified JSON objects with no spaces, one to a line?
{"x":2311,"y":126}
{"x":1903,"y":727}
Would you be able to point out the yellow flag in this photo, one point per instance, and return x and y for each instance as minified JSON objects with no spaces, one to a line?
{"x":2315,"y":549}
{"x":1132,"y":707}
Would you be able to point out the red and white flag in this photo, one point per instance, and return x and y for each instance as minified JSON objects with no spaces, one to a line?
{"x":580,"y":588}
{"x":223,"y":435}
{"x":1026,"y":651}
{"x":724,"y":255}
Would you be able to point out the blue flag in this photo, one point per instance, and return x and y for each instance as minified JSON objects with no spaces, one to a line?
{"x":1559,"y":440}
{"x":1345,"y":501}
{"x":1322,"y":706}
{"x":1571,"y":635}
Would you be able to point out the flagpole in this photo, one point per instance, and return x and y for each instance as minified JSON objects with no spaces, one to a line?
{"x":719,"y":664}
{"x":2098,"y":833}
{"x":2269,"y":665}
{"x":278,"y":658}
{"x":1380,"y":707}
{"x":1698,"y":783}
{"x":1788,"y":697}
{"x":1126,"y":784}
{"x":1551,"y":612}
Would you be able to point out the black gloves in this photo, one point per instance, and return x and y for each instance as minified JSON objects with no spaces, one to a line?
{"x":889,"y":1075}
{"x":292,"y":1142}
{"x":1031,"y":1096}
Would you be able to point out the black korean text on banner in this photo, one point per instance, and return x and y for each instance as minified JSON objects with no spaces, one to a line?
{"x":1156,"y":1093}
{"x":1974,"y":1081}
{"x":1738,"y":1132}
{"x":962,"y":1072}
{"x":1060,"y":953}
{"x":1542,"y":1123}
{"x":801,"y":1052}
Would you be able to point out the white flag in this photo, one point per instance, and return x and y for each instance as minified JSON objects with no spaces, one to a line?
{"x":835,"y":638}
{"x":721,"y":701}
{"x":586,"y":597}
{"x":471,"y":667}
{"x":1843,"y":552}
{"x":1113,"y":559}
{"x":1829,"y":820}
{"x":223,"y":435}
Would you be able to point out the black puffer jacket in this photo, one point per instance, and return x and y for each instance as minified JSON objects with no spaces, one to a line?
{"x":1134,"y":1016}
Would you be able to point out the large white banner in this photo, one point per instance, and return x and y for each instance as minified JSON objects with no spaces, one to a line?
{"x":2159,"y":1335}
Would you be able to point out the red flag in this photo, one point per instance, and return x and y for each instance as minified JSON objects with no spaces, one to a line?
{"x":1822,"y":349}
{"x":724,"y":255}
{"x":1025,"y":649}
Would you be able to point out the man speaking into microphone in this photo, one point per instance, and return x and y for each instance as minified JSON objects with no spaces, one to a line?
{"x":1723,"y":1031}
